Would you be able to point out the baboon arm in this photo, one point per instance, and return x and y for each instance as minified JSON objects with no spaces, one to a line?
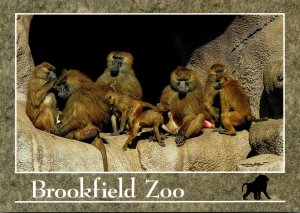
{"x":156,"y":132}
{"x":65,"y":127}
{"x":41,"y":93}
{"x":124,"y":119}
{"x":114,"y":123}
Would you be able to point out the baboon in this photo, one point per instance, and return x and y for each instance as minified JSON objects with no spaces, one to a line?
{"x":235,"y":104}
{"x":85,"y":112}
{"x":210,"y":93}
{"x":154,"y":118}
{"x":125,"y":109}
{"x":41,"y":104}
{"x":120,"y":75}
{"x":184,"y":96}
{"x":256,"y":187}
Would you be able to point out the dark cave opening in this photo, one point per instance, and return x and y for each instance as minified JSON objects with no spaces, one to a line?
{"x":159,"y":43}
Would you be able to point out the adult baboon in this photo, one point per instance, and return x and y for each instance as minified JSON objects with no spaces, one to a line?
{"x":41,"y":104}
{"x":120,"y":75}
{"x":85,"y":112}
{"x":184,"y":96}
{"x":235,"y":104}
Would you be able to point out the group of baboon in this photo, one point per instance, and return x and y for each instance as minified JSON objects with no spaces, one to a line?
{"x":116,"y":98}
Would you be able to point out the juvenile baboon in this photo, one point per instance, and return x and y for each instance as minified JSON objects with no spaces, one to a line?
{"x":154,"y":118}
{"x":41,"y":104}
{"x":184,"y":96}
{"x":85,"y":112}
{"x":120,"y":75}
{"x":235,"y":104}
{"x":256,"y":187}
{"x":210,"y":93}
{"x":125,"y":109}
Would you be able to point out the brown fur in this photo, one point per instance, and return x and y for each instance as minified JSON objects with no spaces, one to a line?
{"x":41,"y":104}
{"x":184,"y":95}
{"x":85,"y":112}
{"x":125,"y":109}
{"x":210,"y":92}
{"x":124,"y":80}
{"x":151,"y":118}
{"x":235,"y":105}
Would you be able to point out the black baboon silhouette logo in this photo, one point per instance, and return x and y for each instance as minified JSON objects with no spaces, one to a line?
{"x":256,"y":187}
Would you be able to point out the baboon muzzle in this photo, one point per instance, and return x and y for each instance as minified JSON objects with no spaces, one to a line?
{"x":182,"y":88}
{"x":115,"y":67}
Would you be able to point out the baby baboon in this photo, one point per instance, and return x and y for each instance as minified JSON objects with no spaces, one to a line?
{"x":184,"y":96}
{"x":85,"y":112}
{"x":41,"y":104}
{"x":235,"y":104}
{"x":256,"y":187}
{"x":154,"y":118}
{"x":125,"y":109}
{"x":210,"y":93}
{"x":120,"y":75}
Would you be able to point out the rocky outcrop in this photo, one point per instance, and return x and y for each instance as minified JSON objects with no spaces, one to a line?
{"x":267,"y":137}
{"x":262,"y":163}
{"x":24,"y":58}
{"x":249,"y":46}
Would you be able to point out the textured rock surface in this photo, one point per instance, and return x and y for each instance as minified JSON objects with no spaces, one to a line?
{"x":267,"y":137}
{"x":263,"y":163}
{"x":210,"y":151}
{"x":25,"y":62}
{"x":247,"y":47}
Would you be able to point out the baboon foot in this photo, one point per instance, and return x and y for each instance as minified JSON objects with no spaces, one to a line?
{"x":162,"y":144}
{"x":115,"y":134}
{"x":124,"y":147}
{"x":180,"y":140}
{"x":152,"y":138}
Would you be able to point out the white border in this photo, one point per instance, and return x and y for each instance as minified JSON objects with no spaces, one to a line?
{"x":148,"y":201}
{"x":151,"y":172}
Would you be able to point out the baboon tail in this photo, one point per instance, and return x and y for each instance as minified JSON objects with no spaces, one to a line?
{"x":243,"y":186}
{"x":98,"y":143}
{"x":148,"y":105}
{"x":253,"y":119}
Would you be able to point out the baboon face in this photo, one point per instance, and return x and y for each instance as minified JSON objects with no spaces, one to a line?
{"x":45,"y":71}
{"x":69,"y":82}
{"x":221,"y":81}
{"x":182,"y":80}
{"x":118,"y":61}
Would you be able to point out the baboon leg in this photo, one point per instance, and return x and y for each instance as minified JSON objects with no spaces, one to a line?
{"x":124,"y":119}
{"x":214,"y":111}
{"x":45,"y":121}
{"x":132,"y":136}
{"x":195,"y":126}
{"x":229,"y":120}
{"x":192,"y":126}
{"x":255,"y":195}
{"x":88,"y":132}
{"x":157,"y":135}
{"x":266,"y":194}
{"x":65,"y":127}
{"x":259,"y":195}
{"x":113,"y":120}
{"x":246,"y":194}
{"x":98,"y":143}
